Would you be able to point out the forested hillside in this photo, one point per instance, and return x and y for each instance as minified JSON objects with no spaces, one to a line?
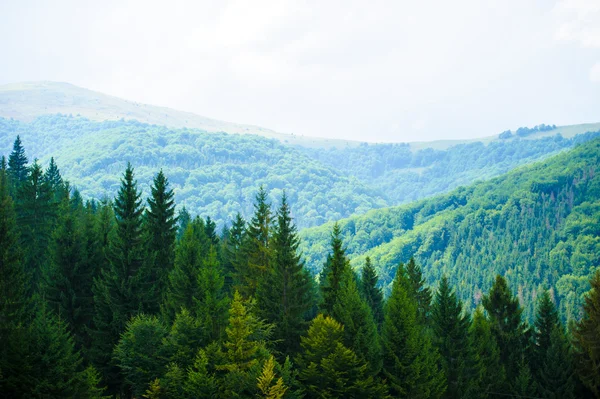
{"x":214,"y":174}
{"x":123,"y":298}
{"x":538,"y":226}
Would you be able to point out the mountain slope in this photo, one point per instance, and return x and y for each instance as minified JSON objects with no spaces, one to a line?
{"x":213,"y":174}
{"x":538,"y":225}
{"x":29,"y":100}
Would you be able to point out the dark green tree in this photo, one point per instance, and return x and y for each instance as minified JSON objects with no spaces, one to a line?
{"x":55,"y":181}
{"x":329,"y":369}
{"x":68,"y":277}
{"x":284,"y":298}
{"x":371,"y":293}
{"x":586,"y":339}
{"x":556,"y":376}
{"x":17,"y":165}
{"x":360,"y":329}
{"x":232,"y":255}
{"x":117,"y":292}
{"x":255,"y":248}
{"x":15,"y":304}
{"x":210,"y":228}
{"x":210,"y":301}
{"x":138,"y":353}
{"x":161,"y":229}
{"x":509,"y":330}
{"x":488,"y":380}
{"x":36,"y":217}
{"x":419,"y":290}
{"x":183,"y":219}
{"x":338,"y":272}
{"x":410,"y":362}
{"x":451,"y":328}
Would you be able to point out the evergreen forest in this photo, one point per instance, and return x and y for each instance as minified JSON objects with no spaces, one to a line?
{"x":130,"y":296}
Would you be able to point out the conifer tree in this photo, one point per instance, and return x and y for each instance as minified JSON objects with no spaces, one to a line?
{"x":117,"y":291}
{"x":488,"y":379}
{"x":284,"y":297}
{"x":161,"y":228}
{"x":451,"y":327}
{"x":68,"y":277}
{"x":244,"y":350}
{"x":338,"y":272}
{"x":17,"y":166}
{"x":36,"y":214}
{"x":255,"y":247}
{"x":419,"y":290}
{"x":14,"y":298}
{"x":54,"y":181}
{"x":587,"y":340}
{"x":410,"y":362}
{"x":183,"y":219}
{"x":210,"y":228}
{"x":210,"y":300}
{"x":329,"y":369}
{"x":232,"y":253}
{"x":509,"y":330}
{"x":371,"y":293}
{"x":360,"y":330}
{"x":138,"y":353}
{"x":556,"y":377}
{"x":183,"y":285}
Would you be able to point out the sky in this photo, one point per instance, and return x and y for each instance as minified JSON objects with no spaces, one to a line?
{"x":361,"y":70}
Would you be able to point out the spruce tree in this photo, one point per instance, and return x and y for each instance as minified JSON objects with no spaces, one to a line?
{"x":371,"y":293}
{"x":509,"y":330}
{"x":587,"y":340}
{"x":338,"y":272}
{"x":161,"y":229}
{"x":36,"y":216}
{"x":488,"y":379}
{"x":255,"y":247}
{"x":15,"y":304}
{"x":556,"y":376}
{"x":117,"y":291}
{"x":183,"y":281}
{"x":210,"y":301}
{"x":360,"y":329}
{"x":419,"y":290}
{"x":329,"y":369}
{"x":55,"y":181}
{"x":410,"y":362}
{"x":210,"y":228}
{"x":244,"y":350}
{"x":451,"y":327}
{"x":232,"y":253}
{"x":68,"y":277}
{"x":183,"y":219}
{"x":284,"y":297}
{"x":17,"y":166}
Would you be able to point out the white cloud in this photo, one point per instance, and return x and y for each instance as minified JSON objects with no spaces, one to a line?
{"x":578,"y":21}
{"x":595,"y":73}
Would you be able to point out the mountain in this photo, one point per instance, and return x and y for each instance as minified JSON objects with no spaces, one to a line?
{"x":539,"y":226}
{"x":28,"y":100}
{"x":215,"y":167}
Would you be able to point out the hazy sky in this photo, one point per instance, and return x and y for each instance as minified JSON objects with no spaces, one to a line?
{"x":368,"y":70}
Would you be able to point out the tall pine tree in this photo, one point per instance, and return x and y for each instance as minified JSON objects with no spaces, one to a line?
{"x":284,"y":297}
{"x":451,"y":327}
{"x":420,"y":291}
{"x":371,"y":293}
{"x":17,"y":166}
{"x":587,"y":339}
{"x":410,"y":362}
{"x":161,"y":228}
{"x":337,"y":272}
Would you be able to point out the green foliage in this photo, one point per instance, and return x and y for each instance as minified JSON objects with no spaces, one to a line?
{"x":370,"y":291}
{"x":329,"y":369}
{"x":509,"y":330}
{"x":17,"y":164}
{"x":285,"y":295}
{"x":138,"y":353}
{"x":537,"y":226}
{"x":451,"y":328}
{"x":410,"y":362}
{"x":419,"y":291}
{"x":210,"y":301}
{"x":336,"y":273}
{"x":587,"y":340}
{"x":160,"y":226}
